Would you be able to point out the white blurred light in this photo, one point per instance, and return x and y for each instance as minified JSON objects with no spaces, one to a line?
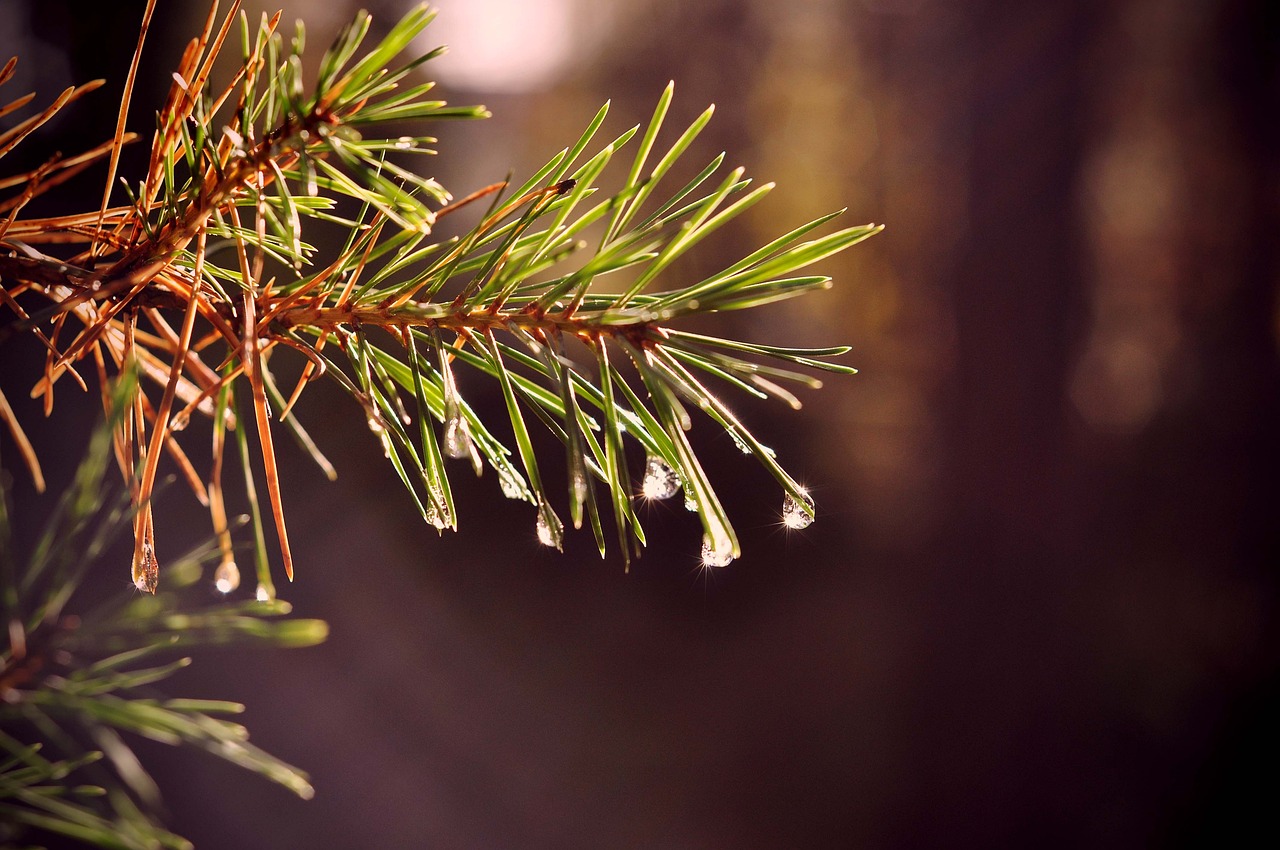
{"x":506,"y":46}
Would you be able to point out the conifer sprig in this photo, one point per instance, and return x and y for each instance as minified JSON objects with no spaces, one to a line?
{"x":78,"y":678}
{"x":564,"y":293}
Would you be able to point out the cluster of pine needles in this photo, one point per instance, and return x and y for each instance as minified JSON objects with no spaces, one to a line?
{"x":191,"y":276}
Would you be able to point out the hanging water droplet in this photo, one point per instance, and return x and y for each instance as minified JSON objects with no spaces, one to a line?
{"x":180,"y":421}
{"x":149,"y":572}
{"x":690,"y":504}
{"x":375,"y":426}
{"x":386,"y":445}
{"x":226,"y":577}
{"x":716,"y":554}
{"x":438,"y":513}
{"x":404,"y":143}
{"x":660,"y":480}
{"x":263,"y":594}
{"x":549,"y":527}
{"x":544,"y":531}
{"x":739,"y":442}
{"x":793,"y":513}
{"x":457,"y":439}
{"x":511,"y":486}
{"x":578,"y":485}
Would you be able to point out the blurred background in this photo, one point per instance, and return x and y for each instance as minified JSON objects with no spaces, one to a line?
{"x":1038,"y":606}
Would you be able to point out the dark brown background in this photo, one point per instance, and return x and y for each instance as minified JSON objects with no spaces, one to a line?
{"x":1038,"y":607}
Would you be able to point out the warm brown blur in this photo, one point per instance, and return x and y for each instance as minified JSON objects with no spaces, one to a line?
{"x":1038,"y":606}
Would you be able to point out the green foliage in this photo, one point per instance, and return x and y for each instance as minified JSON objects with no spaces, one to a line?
{"x":565,"y":294}
{"x":74,"y":686}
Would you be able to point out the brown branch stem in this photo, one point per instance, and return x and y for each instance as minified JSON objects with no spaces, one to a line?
{"x":540,"y":324}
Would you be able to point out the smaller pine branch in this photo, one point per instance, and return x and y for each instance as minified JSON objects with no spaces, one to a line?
{"x":78,"y":680}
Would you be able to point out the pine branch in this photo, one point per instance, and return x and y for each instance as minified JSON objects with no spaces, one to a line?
{"x":76,"y":687}
{"x":246,"y":168}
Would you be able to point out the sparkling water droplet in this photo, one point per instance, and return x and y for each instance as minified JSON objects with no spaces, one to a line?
{"x":660,"y":480}
{"x":180,"y":421}
{"x":457,"y":439}
{"x":716,"y":554}
{"x":438,"y":513}
{"x":511,"y":486}
{"x":226,"y":577}
{"x":690,"y":504}
{"x":376,"y":426}
{"x":550,"y":529}
{"x":739,"y":442}
{"x":544,"y":532}
{"x":263,"y":595}
{"x":149,"y":574}
{"x":404,"y":143}
{"x":793,"y":513}
{"x":579,"y":486}
{"x":386,"y":445}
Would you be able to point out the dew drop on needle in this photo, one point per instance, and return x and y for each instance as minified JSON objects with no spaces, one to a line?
{"x":226,"y":577}
{"x":660,"y":480}
{"x":149,"y":574}
{"x":544,"y":531}
{"x":511,"y":487}
{"x":457,"y":440}
{"x":550,"y":529}
{"x":794,"y":514}
{"x":716,"y":554}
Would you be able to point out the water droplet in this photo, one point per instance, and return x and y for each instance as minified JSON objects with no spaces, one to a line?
{"x":438,"y":513}
{"x":544,"y":532}
{"x":263,"y":594}
{"x":457,"y":438}
{"x":376,"y":426}
{"x":579,"y":486}
{"x":386,"y":445}
{"x":739,"y":442}
{"x":404,"y":143}
{"x":550,"y":529}
{"x":511,"y":486}
{"x":716,"y":554}
{"x":180,"y":421}
{"x":690,"y":504}
{"x":226,"y":577}
{"x":149,"y":573}
{"x":660,"y":480}
{"x":793,"y":513}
